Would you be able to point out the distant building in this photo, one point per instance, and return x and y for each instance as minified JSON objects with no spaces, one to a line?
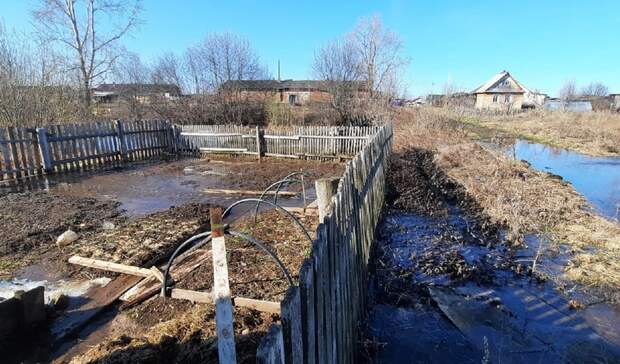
{"x":408,"y":103}
{"x":294,"y":92}
{"x":615,"y":101}
{"x":457,"y":99}
{"x":573,"y":105}
{"x":109,"y":93}
{"x":504,"y":92}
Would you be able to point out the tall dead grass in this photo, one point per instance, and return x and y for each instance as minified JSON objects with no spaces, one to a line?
{"x":594,"y":133}
{"x":518,"y":197}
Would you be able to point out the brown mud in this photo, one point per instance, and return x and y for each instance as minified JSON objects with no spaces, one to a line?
{"x":176,"y":331}
{"x":148,"y":210}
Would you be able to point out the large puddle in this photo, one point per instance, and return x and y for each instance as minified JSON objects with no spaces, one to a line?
{"x":441,"y":293}
{"x":597,"y":178}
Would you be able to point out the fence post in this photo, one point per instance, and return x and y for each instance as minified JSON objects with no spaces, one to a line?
{"x":325,"y":189}
{"x":271,"y":348}
{"x":44,"y":149}
{"x":259,"y":152}
{"x":174,"y":147}
{"x":120,"y":133}
{"x":221,"y":291}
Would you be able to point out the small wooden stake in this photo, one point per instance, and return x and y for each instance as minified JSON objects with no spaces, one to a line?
{"x":259,"y":153}
{"x":221,"y":291}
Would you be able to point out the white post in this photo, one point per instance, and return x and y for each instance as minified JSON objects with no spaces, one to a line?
{"x":221,"y":292}
{"x":325,"y":189}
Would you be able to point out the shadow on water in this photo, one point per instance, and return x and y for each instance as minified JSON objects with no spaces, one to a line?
{"x":443,"y":290}
{"x":597,"y":178}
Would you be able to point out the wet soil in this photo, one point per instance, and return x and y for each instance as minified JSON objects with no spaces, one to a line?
{"x":179,"y":331}
{"x":148,"y":210}
{"x":31,"y":221}
{"x":447,"y":286}
{"x":146,"y":189}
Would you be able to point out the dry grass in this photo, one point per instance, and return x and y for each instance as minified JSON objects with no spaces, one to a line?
{"x":518,"y":197}
{"x":595,"y":133}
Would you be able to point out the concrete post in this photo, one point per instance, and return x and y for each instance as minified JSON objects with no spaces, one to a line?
{"x":325,"y":189}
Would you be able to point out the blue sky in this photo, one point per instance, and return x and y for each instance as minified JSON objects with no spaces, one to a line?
{"x":542,"y":43}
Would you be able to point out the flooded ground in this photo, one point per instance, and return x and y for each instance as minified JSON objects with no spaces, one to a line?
{"x":144,"y":206}
{"x":447,"y":285}
{"x":440,"y":292}
{"x":597,"y":178}
{"x":147,"y":188}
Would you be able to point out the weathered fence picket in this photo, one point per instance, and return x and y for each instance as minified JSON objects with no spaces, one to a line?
{"x":310,"y":142}
{"x":26,"y":152}
{"x":332,"y":282}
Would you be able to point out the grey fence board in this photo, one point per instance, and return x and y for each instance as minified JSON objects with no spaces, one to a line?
{"x":312,"y":142}
{"x":28,"y":152}
{"x":333,"y":282}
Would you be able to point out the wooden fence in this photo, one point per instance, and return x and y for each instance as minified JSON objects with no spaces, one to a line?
{"x":320,"y":317}
{"x":311,"y":142}
{"x":28,"y":152}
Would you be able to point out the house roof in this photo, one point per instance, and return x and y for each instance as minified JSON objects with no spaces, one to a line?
{"x":141,"y":88}
{"x":276,"y":85}
{"x":491,"y":86}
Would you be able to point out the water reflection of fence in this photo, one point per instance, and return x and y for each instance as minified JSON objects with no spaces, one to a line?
{"x":30,"y":152}
{"x":314,"y":142}
{"x":320,"y":316}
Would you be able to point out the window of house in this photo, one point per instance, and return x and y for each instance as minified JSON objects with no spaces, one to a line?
{"x":292,"y":99}
{"x":507,"y":98}
{"x":494,"y":98}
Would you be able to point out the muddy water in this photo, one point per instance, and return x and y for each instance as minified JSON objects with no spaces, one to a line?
{"x":440,"y":293}
{"x":147,"y":189}
{"x":597,"y":178}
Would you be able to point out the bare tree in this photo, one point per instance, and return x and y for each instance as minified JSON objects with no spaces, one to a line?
{"x":381,"y":55}
{"x":33,"y":88}
{"x":91,"y":31}
{"x":568,"y":91}
{"x":133,"y":76}
{"x":595,"y":89}
{"x":211,"y":67}
{"x":364,"y":70}
{"x":168,"y":69}
{"x":222,"y":57}
{"x":338,"y":64}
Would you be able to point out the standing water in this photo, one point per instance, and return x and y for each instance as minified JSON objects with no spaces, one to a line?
{"x":597,"y":178}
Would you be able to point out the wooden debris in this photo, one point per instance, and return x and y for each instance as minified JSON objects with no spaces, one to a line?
{"x":98,"y":300}
{"x":114,"y":267}
{"x":183,"y":266}
{"x":247,"y":192}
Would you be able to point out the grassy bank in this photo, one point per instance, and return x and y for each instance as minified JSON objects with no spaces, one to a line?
{"x":595,"y":133}
{"x":519,"y":198}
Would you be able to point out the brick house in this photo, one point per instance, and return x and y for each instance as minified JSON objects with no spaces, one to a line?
{"x":293,"y":92}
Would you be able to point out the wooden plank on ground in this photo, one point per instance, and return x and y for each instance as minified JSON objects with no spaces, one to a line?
{"x":247,"y":192}
{"x":221,"y":291}
{"x":109,"y":266}
{"x":184,"y":265}
{"x":97,"y":300}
